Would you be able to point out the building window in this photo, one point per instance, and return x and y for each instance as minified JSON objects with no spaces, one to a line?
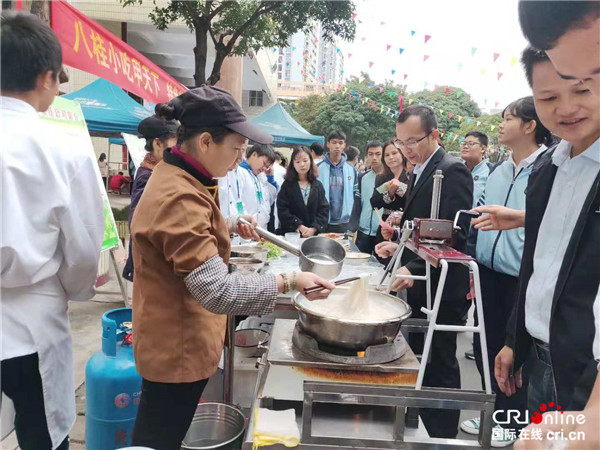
{"x":256,"y":98}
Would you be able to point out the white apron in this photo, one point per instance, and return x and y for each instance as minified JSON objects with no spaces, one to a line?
{"x":43,"y":310}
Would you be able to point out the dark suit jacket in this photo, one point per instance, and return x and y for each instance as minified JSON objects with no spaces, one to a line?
{"x":572,"y":326}
{"x":292,"y":211}
{"x":457,"y":194}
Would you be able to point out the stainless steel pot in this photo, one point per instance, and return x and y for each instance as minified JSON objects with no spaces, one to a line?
{"x":351,"y":334}
{"x":319,"y":255}
{"x":215,"y":426}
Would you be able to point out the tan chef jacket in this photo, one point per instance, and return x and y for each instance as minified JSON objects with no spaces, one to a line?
{"x":177,"y":226}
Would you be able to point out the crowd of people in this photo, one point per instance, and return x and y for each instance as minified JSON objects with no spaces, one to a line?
{"x":537,"y":241}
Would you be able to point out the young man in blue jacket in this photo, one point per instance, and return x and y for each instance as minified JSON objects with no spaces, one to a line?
{"x":364,"y":219}
{"x":340,"y":182}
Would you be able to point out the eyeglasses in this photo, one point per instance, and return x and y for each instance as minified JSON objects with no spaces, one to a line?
{"x":470,"y":144}
{"x":411,"y":143}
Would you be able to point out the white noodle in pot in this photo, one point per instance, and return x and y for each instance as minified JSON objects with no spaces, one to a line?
{"x":355,"y":304}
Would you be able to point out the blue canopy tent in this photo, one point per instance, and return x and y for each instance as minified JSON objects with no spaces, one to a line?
{"x":108,"y":110}
{"x":278,"y":123}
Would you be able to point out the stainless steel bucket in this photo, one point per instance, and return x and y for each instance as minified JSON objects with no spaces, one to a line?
{"x":215,"y":426}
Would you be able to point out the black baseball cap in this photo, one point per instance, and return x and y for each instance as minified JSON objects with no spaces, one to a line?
{"x":210,"y":106}
{"x":154,"y":127}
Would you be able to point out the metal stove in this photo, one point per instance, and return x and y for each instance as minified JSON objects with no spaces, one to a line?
{"x":374,"y":354}
{"x":295,"y":357}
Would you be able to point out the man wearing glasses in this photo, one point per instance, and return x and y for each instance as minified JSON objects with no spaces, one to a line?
{"x":472,"y":151}
{"x":417,"y":138}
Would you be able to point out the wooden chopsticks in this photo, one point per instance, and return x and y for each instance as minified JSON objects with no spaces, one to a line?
{"x":310,"y":290}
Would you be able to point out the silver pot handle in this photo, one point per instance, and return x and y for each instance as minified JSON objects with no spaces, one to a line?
{"x":273,"y":238}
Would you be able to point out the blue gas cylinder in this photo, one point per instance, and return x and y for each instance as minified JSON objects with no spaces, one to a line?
{"x":113,"y":386}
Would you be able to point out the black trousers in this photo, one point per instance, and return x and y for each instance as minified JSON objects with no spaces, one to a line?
{"x":365,"y":243}
{"x":165,"y":413}
{"x":443,"y":370}
{"x":499,"y":293}
{"x":22,"y":383}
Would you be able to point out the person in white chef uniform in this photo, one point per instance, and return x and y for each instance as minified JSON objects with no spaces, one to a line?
{"x":52,"y":229}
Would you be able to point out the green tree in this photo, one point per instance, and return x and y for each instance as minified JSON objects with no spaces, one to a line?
{"x":236,"y":27}
{"x":358,"y":111}
{"x":486,"y":123}
{"x":306,"y":110}
{"x":455,"y":102}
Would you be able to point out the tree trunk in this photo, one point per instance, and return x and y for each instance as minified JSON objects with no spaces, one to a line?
{"x":41,"y":8}
{"x":200,"y":52}
{"x":215,"y":75}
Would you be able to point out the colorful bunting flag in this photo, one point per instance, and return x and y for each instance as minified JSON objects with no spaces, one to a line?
{"x":393,"y":71}
{"x":337,"y":50}
{"x":391,"y":94}
{"x":410,"y":101}
{"x":441,"y":111}
{"x":513,"y":61}
{"x":447,"y":90}
{"x":425,"y":84}
{"x":427,"y":37}
{"x":349,"y":55}
{"x":380,"y":89}
{"x":455,"y":137}
{"x":354,"y":16}
{"x":425,"y":58}
{"x":388,"y":47}
{"x":459,"y":94}
{"x":450,"y":115}
{"x":469,"y":121}
{"x":483,"y":71}
{"x":401,"y":50}
{"x":412,"y":33}
{"x":496,"y":56}
{"x":460,"y":118}
{"x":478,"y":123}
{"x":500,"y":75}
{"x":493,"y":127}
{"x":473,"y":50}
{"x":405,"y":76}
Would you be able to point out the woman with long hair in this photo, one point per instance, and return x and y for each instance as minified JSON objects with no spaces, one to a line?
{"x":301,"y":203}
{"x":391,"y":186}
{"x":499,"y":253}
{"x":103,"y":166}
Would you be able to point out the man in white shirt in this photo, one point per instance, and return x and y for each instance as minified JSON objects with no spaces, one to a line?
{"x":52,"y":229}
{"x":255,"y":186}
{"x":559,"y":277}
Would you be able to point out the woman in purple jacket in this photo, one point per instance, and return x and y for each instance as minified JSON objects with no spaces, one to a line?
{"x":160,"y":135}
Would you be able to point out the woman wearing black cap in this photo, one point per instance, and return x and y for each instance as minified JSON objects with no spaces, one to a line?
{"x":160,"y":134}
{"x":182,"y":290}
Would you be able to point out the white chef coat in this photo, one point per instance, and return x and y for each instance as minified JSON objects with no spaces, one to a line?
{"x":279,"y":174}
{"x":257,"y":195}
{"x":573,"y":181}
{"x":228,"y":193}
{"x":52,"y":230}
